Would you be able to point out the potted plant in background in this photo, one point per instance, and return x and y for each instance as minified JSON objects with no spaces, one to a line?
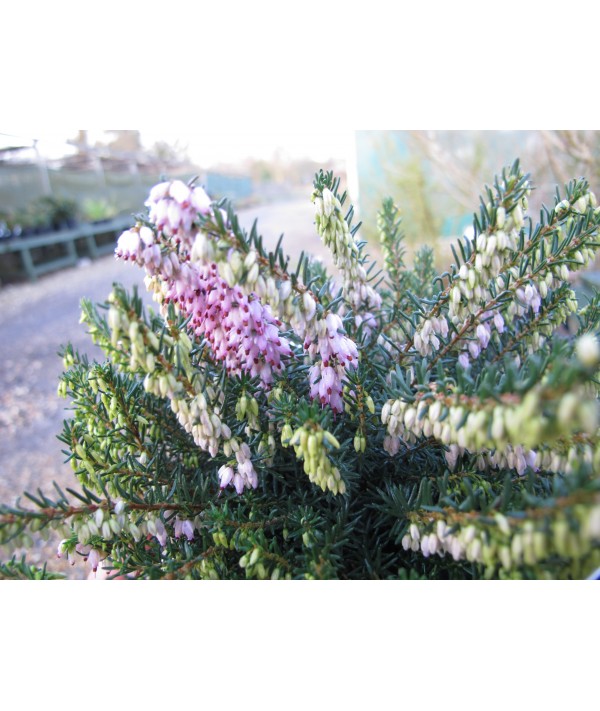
{"x":98,"y":210}
{"x":40,"y":216}
{"x":5,"y":231}
{"x":22,"y":224}
{"x":62,"y":212}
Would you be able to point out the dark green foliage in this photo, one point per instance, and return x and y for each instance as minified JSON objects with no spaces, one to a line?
{"x":143,"y":476}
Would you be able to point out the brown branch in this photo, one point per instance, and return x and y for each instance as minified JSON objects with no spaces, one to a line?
{"x":465,"y":517}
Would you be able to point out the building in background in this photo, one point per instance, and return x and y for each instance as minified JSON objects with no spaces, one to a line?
{"x":109,"y":170}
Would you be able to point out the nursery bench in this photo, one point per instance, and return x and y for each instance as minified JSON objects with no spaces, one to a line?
{"x":87,"y":233}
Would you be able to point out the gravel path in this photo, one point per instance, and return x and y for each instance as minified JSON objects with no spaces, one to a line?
{"x":36,"y":319}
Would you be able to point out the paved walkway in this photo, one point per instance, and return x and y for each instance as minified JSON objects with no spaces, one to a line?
{"x":36,"y":319}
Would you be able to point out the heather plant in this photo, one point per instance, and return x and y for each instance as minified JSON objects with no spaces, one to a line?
{"x":275,"y":421}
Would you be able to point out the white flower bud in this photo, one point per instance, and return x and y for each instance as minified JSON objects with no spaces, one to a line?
{"x":409,"y":417}
{"x":500,"y":217}
{"x":328,"y":202}
{"x":517,"y":215}
{"x":385,"y":412}
{"x":226,"y":272}
{"x":309,"y":305}
{"x":587,"y":350}
{"x":435,"y":411}
{"x":252,"y":274}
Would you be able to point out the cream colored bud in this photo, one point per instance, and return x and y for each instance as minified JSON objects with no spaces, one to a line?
{"x":309,"y":305}
{"x":469,"y":534}
{"x":472,"y":278}
{"x":385,"y":412}
{"x":396,"y":407}
{"x":328,"y":202}
{"x":226,"y":272}
{"x":503,"y":524}
{"x":567,"y":408}
{"x":331,"y":439}
{"x":370,"y":404}
{"x":250,"y":259}
{"x":505,"y":559}
{"x":587,"y":350}
{"x":252,"y":274}
{"x":410,"y":417}
{"x":517,"y":215}
{"x":500,"y":217}
{"x":435,"y":411}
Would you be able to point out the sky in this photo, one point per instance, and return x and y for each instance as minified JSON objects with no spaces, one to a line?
{"x":208,"y":149}
{"x":228,"y":147}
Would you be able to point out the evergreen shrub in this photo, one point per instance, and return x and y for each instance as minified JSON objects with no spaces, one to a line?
{"x":274,"y":421}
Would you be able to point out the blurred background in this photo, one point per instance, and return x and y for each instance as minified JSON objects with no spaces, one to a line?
{"x":66,"y":196}
{"x":50,"y":182}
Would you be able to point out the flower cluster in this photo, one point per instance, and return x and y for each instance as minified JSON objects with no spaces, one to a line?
{"x":338,"y":355}
{"x":494,"y":269}
{"x":513,"y":544}
{"x":198,"y":405}
{"x":426,"y":339}
{"x":174,"y":207}
{"x":90,"y":535}
{"x":512,"y":429}
{"x":335,"y":232}
{"x":519,"y":458}
{"x":322,"y":332}
{"x":310,"y":444}
{"x":217,"y":300}
{"x":244,"y":474}
{"x":241,"y":331}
